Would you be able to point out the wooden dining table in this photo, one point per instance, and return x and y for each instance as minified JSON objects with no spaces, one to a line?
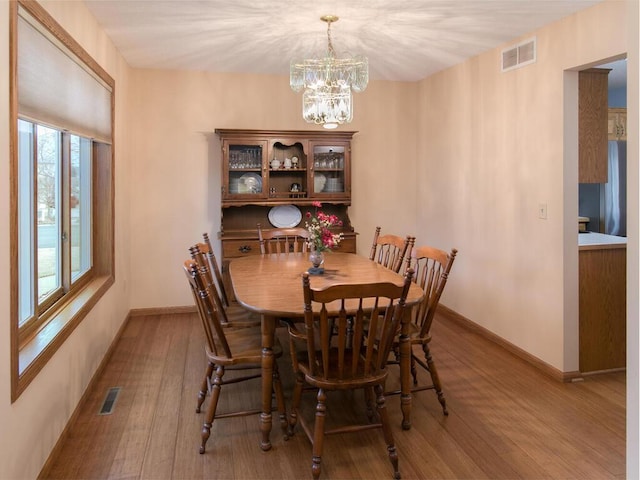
{"x":271,"y":285}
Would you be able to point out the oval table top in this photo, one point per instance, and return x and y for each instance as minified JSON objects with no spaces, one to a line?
{"x":272,"y":284}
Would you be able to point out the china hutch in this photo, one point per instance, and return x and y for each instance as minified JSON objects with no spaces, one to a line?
{"x":272,"y":177}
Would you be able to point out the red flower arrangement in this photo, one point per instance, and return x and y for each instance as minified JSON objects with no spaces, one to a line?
{"x":321,"y":238}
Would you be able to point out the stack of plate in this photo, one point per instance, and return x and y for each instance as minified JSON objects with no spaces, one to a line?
{"x":334,"y":185}
{"x":319,"y":182}
{"x":250,"y":183}
{"x":234,"y":185}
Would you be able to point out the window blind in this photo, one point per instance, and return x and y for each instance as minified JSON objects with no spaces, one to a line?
{"x":56,"y":87}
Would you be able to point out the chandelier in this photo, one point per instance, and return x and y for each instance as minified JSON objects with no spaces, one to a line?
{"x":328,"y":84}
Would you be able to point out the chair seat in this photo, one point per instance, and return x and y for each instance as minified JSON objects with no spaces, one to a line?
{"x":348,"y":379}
{"x":414,"y":335}
{"x":246,"y":344}
{"x":238,"y":316}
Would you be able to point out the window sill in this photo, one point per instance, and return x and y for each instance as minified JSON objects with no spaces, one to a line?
{"x":34,"y":355}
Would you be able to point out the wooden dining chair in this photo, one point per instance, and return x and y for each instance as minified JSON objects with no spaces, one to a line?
{"x":231,"y":314}
{"x":283,"y":240}
{"x":390,"y":250}
{"x":347,"y":362}
{"x":432,"y":267}
{"x":227,"y":348}
{"x":215,"y":269}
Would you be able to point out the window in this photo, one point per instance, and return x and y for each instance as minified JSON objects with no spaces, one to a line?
{"x":54,"y":221}
{"x":61,"y":188}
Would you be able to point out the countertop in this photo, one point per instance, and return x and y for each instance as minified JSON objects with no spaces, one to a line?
{"x":596,"y":241}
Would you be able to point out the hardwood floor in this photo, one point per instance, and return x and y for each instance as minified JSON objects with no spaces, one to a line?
{"x":506,"y":419}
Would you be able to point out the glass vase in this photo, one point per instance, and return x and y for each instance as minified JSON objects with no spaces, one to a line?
{"x":316,"y":258}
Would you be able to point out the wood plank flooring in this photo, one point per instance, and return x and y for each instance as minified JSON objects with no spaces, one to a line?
{"x":506,"y":419}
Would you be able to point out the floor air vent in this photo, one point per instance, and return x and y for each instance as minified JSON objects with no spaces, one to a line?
{"x":520,"y":55}
{"x":109,"y":401}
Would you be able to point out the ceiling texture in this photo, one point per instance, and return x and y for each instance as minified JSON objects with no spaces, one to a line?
{"x":405,"y":40}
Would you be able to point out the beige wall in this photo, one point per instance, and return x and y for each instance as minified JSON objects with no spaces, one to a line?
{"x":499,"y":152}
{"x":461,"y":159}
{"x":176,"y":195}
{"x":30,"y":427}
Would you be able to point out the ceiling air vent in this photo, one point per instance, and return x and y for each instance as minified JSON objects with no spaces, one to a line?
{"x":522,"y":54}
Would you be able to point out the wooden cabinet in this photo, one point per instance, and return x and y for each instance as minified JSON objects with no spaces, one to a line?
{"x":243,"y":169}
{"x":284,"y":167}
{"x":593,"y":114}
{"x":617,"y":124}
{"x":263,"y":169}
{"x":602,"y":325}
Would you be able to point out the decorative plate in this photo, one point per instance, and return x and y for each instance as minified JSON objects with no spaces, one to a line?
{"x":285,"y":216}
{"x":250,"y":183}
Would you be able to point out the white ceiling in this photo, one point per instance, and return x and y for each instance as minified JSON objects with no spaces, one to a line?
{"x":405,"y":40}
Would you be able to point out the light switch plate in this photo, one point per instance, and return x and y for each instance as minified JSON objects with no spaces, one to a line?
{"x":542,"y":211}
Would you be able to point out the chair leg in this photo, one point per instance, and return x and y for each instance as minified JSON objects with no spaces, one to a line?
{"x":282,"y":409}
{"x":435,"y":378}
{"x":368,"y":399}
{"x":414,"y":370}
{"x":396,"y":352}
{"x":295,"y":402}
{"x":406,"y":352}
{"x":318,"y":433}
{"x":211,"y":411}
{"x":386,"y":429}
{"x":349,"y":330}
{"x":204,"y":388}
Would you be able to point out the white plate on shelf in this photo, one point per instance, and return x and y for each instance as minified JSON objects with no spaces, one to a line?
{"x":319,"y":181}
{"x":250,"y":183}
{"x":285,"y":216}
